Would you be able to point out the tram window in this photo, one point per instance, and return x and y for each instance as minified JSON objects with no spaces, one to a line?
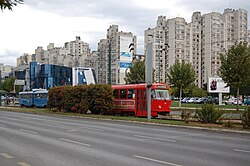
{"x":116,"y":94}
{"x":131,"y":93}
{"x":153,"y":95}
{"x":162,"y":94}
{"x":43,"y":95}
{"x":123,"y":93}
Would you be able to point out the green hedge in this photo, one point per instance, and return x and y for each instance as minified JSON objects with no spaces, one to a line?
{"x":79,"y":99}
{"x":100,"y":98}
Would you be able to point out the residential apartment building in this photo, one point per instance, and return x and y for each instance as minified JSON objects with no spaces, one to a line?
{"x":193,"y":44}
{"x":169,"y":44}
{"x":212,"y":34}
{"x":103,"y":64}
{"x":77,"y":51}
{"x":92,"y":61}
{"x":73,"y":54}
{"x":5,"y":70}
{"x":248,"y":40}
{"x":219,"y":33}
{"x":199,"y":42}
{"x":25,"y":59}
{"x":116,"y":55}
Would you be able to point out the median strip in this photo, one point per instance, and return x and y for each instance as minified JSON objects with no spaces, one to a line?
{"x":157,"y":161}
{"x":75,"y":142}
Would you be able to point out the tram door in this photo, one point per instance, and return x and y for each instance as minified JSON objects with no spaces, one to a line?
{"x":141,"y":103}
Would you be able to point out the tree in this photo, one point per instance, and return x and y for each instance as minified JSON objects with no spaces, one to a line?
{"x":181,"y":75}
{"x":136,"y":73}
{"x":235,"y":67}
{"x":8,"y":84}
{"x":9,"y":4}
{"x":194,"y":90}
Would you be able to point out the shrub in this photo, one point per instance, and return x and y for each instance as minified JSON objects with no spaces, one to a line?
{"x":208,"y":114}
{"x":55,"y":101}
{"x":185,"y":115}
{"x":246,"y":118}
{"x":79,"y":99}
{"x":100,"y":98}
{"x":75,"y":99}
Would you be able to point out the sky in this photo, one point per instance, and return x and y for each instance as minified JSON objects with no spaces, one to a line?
{"x":40,"y":22}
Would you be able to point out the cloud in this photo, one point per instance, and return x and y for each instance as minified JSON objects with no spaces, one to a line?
{"x":40,"y":22}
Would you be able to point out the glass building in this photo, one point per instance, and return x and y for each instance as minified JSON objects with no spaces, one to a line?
{"x":46,"y":76}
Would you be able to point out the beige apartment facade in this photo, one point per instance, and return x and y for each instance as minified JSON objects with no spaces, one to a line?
{"x":199,"y":42}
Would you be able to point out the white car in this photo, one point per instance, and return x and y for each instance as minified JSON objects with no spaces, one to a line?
{"x":192,"y":100}
{"x":229,"y":101}
{"x":2,"y":97}
{"x":235,"y":102}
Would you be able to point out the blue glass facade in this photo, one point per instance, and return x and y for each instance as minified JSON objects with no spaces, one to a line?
{"x":46,"y":76}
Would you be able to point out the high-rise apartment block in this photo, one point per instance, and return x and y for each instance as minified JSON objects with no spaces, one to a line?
{"x":116,"y":54}
{"x":25,"y":59}
{"x":5,"y":70}
{"x":199,"y":42}
{"x":73,"y":54}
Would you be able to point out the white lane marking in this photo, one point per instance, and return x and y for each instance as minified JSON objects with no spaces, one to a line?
{"x":23,"y":164}
{"x":71,"y":130}
{"x":24,"y":118}
{"x":240,"y":150}
{"x":157,"y":161}
{"x":154,"y":138}
{"x":75,"y":142}
{"x":89,"y":128}
{"x":49,"y":122}
{"x":7,"y":156}
{"x":29,"y":131}
{"x":3,"y":125}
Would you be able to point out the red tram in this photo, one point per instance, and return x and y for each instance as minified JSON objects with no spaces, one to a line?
{"x":131,"y":99}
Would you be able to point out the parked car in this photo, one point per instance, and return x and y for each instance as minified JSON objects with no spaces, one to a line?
{"x":235,"y":102}
{"x":3,"y":97}
{"x":201,"y":100}
{"x":215,"y":100}
{"x":192,"y":100}
{"x":185,"y":100}
{"x":229,"y":101}
{"x":247,"y":101}
{"x":211,"y":100}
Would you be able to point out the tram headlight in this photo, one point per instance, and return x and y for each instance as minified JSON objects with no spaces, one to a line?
{"x":159,"y":106}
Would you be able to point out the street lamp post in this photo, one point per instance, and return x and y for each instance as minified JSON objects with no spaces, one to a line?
{"x":0,"y":88}
{"x":148,"y":74}
{"x":109,"y":65}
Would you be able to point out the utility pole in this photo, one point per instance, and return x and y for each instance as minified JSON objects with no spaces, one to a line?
{"x":109,"y":65}
{"x":0,"y":88}
{"x":148,"y":74}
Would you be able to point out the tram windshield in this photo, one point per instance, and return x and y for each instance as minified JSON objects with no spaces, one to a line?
{"x":160,"y":94}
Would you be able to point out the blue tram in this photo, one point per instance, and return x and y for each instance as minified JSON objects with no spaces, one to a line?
{"x":36,"y":97}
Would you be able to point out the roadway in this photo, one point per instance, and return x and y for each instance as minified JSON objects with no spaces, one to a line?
{"x":42,"y":140}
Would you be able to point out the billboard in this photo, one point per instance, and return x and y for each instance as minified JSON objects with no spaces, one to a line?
{"x":125,"y":54}
{"x":126,"y":45}
{"x":217,"y":85}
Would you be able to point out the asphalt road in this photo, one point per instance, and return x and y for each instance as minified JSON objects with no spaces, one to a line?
{"x":38,"y":140}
